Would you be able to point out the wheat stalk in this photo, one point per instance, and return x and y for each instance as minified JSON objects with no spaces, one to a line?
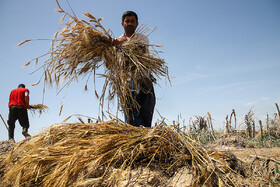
{"x":82,"y":47}
{"x":40,"y":108}
{"x":99,"y":154}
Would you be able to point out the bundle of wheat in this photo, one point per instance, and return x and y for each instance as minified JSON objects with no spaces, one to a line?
{"x":81,"y":48}
{"x":40,"y":108}
{"x":103,"y":154}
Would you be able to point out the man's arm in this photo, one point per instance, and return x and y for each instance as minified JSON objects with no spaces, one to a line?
{"x":26,"y":98}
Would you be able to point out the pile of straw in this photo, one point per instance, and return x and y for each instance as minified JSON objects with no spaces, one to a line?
{"x":101,"y":154}
{"x":82,"y":47}
{"x":40,"y":108}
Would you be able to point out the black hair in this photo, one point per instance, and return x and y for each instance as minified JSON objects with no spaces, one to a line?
{"x":129,"y":13}
{"x":21,"y":86}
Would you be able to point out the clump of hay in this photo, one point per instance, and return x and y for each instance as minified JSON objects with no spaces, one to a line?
{"x":40,"y":108}
{"x":103,"y":154}
{"x":82,"y":47}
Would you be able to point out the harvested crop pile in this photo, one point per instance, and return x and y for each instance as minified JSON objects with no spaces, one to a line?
{"x":107,"y":153}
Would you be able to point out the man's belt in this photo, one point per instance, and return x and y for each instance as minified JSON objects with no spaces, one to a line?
{"x":17,"y":106}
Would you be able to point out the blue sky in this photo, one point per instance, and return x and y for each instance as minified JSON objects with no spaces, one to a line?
{"x":221,"y":54}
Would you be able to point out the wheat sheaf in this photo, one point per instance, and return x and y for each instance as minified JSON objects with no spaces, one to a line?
{"x":82,"y":47}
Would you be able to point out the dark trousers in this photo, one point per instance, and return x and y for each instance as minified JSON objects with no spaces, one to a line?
{"x":17,"y":113}
{"x":143,"y":114}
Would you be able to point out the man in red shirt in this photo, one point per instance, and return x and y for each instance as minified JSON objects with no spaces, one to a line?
{"x":18,"y":105}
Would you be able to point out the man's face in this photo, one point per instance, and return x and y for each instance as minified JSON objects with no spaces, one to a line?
{"x":129,"y":24}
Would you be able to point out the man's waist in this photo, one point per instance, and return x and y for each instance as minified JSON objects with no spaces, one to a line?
{"x":145,"y":78}
{"x":16,"y":106}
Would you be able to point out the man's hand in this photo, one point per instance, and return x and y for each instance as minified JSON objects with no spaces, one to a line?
{"x":118,"y":41}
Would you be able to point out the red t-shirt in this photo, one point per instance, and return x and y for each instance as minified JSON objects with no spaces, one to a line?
{"x":17,"y":97}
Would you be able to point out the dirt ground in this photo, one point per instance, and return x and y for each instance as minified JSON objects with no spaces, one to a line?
{"x":6,"y":146}
{"x":247,"y":154}
{"x":260,"y":165}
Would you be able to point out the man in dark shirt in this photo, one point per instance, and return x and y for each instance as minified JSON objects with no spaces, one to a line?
{"x":18,"y":105}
